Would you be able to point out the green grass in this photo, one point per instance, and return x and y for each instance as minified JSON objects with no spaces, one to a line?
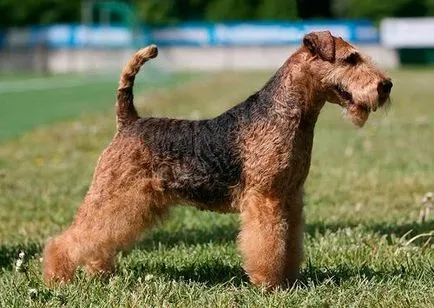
{"x":27,"y":102}
{"x":362,"y":203}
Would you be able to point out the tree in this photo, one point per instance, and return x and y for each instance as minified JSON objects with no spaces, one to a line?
{"x":32,"y":12}
{"x":277,"y":10}
{"x":374,"y":9}
{"x":218,"y":10}
{"x":314,"y":8}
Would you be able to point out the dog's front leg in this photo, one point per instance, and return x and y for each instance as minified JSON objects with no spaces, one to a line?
{"x":271,"y":238}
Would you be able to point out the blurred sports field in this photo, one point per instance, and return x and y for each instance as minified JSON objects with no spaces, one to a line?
{"x":363,"y":244}
{"x":29,"y":101}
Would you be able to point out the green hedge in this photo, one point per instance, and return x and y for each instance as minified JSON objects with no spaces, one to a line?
{"x":31,"y":12}
{"x":26,"y":12}
{"x":377,"y":9}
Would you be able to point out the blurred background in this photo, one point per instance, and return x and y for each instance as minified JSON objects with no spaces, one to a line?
{"x":66,"y":54}
{"x":60,"y":36}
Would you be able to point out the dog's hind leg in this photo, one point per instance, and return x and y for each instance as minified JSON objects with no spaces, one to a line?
{"x":121,"y":202}
{"x":99,"y":232}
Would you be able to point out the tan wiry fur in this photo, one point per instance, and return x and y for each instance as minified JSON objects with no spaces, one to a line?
{"x":252,"y":159}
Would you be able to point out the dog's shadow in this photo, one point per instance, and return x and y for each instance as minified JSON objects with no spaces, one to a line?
{"x":405,"y":231}
{"x":216,"y":234}
{"x":214,"y":271}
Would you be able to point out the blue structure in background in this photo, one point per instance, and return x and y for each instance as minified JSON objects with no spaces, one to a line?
{"x":186,"y":34}
{"x":260,"y":33}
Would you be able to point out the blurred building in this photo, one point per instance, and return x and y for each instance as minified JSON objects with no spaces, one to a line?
{"x":190,"y":45}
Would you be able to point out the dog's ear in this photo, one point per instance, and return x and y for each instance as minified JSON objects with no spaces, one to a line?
{"x":321,"y":44}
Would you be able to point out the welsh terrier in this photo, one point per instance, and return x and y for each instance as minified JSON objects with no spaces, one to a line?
{"x":253,"y":159}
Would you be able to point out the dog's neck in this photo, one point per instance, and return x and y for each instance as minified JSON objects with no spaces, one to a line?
{"x":288,"y":96}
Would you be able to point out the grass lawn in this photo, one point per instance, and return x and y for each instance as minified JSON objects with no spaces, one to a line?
{"x":362,"y":204}
{"x":30,"y":101}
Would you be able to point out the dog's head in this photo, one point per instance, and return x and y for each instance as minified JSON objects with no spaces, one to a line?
{"x":346,"y":76}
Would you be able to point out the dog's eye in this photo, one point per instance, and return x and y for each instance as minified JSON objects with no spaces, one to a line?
{"x":353,"y":59}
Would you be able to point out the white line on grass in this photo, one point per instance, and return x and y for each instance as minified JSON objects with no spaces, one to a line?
{"x":38,"y":84}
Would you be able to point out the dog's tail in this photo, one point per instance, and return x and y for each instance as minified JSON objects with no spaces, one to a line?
{"x":126,"y":113}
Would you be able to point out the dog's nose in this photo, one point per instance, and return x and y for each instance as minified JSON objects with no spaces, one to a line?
{"x":384,"y":87}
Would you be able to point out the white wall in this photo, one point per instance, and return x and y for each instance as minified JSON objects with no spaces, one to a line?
{"x":218,"y":58}
{"x":171,"y":58}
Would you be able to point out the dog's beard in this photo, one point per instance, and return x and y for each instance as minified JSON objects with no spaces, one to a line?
{"x":358,"y":108}
{"x":357,"y":114}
